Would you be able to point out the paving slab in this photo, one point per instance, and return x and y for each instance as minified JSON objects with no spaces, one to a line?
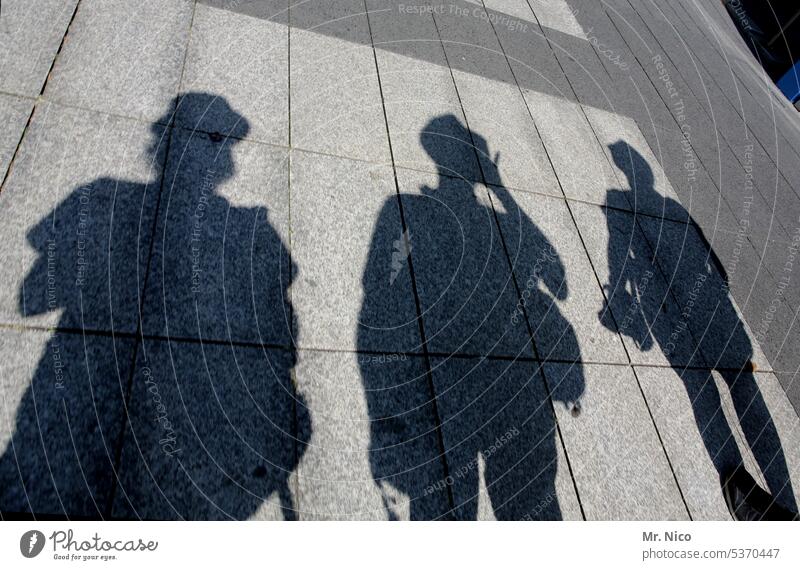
{"x":559,"y":15}
{"x":336,"y":102}
{"x":704,"y":436}
{"x":639,"y":300}
{"x":245,"y":60}
{"x":561,"y":295}
{"x":14,"y":113}
{"x":493,"y":105}
{"x":681,"y":102}
{"x":695,"y":189}
{"x":633,"y":93}
{"x":635,"y":165}
{"x":766,"y":311}
{"x":467,"y":296}
{"x":581,"y":64}
{"x":580,"y":163}
{"x":735,"y":110}
{"x":470,"y":42}
{"x":123,"y":58}
{"x":707,"y":307}
{"x":786,"y":346}
{"x":697,"y":438}
{"x":78,"y":210}
{"x":512,"y":153}
{"x":211,"y":434}
{"x":785,"y":417}
{"x":524,"y":43}
{"x":373,"y":451}
{"x":221,"y":266}
{"x":418,"y":91}
{"x":504,"y":456}
{"x":30,"y":38}
{"x":791,"y":384}
{"x":619,"y":466}
{"x":772,"y":428}
{"x":64,"y":406}
{"x":353,"y":288}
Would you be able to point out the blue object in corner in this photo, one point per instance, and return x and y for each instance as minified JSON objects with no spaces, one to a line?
{"x":789,"y":84}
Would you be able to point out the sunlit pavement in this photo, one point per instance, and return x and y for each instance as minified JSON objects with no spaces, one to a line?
{"x":513,"y":259}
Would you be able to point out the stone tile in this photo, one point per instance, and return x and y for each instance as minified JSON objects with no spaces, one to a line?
{"x":211,"y":434}
{"x":685,"y":105}
{"x":78,"y":210}
{"x":697,"y":78}
{"x":466,"y":291}
{"x":559,"y":15}
{"x":707,"y":307}
{"x":772,"y":429}
{"x":633,"y":94}
{"x":400,"y":30}
{"x":335,"y":94}
{"x":767,"y":314}
{"x":509,"y":148}
{"x":14,"y":113}
{"x":354,"y":285}
{"x":534,"y":64}
{"x":787,"y":348}
{"x":630,"y":93}
{"x":64,"y":406}
{"x":471,"y":43}
{"x":699,"y":442}
{"x":504,"y":455}
{"x":791,"y":385}
{"x":700,"y":43}
{"x":738,"y":176}
{"x":618,"y":463}
{"x":561,"y":295}
{"x":31,"y":35}
{"x":583,"y":170}
{"x":775,"y":201}
{"x":775,"y":323}
{"x":345,"y":20}
{"x":221,"y":265}
{"x":422,"y":106}
{"x":643,"y":309}
{"x":635,"y":165}
{"x":582,"y":66}
{"x":245,"y":60}
{"x":123,"y":58}
{"x":696,"y":191}
{"x":373,"y":451}
{"x":742,"y":266}
{"x":778,"y":258}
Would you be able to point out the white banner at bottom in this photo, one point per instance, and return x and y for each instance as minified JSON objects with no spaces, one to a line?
{"x":406,"y":546}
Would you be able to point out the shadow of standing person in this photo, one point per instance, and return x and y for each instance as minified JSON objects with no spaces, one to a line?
{"x":204,"y":426}
{"x":707,"y":316}
{"x":495,"y":421}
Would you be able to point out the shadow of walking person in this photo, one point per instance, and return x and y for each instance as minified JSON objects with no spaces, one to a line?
{"x":495,"y":426}
{"x":204,"y":424}
{"x":706,"y":332}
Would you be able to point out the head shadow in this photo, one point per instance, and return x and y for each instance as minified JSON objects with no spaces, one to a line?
{"x":204,"y":423}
